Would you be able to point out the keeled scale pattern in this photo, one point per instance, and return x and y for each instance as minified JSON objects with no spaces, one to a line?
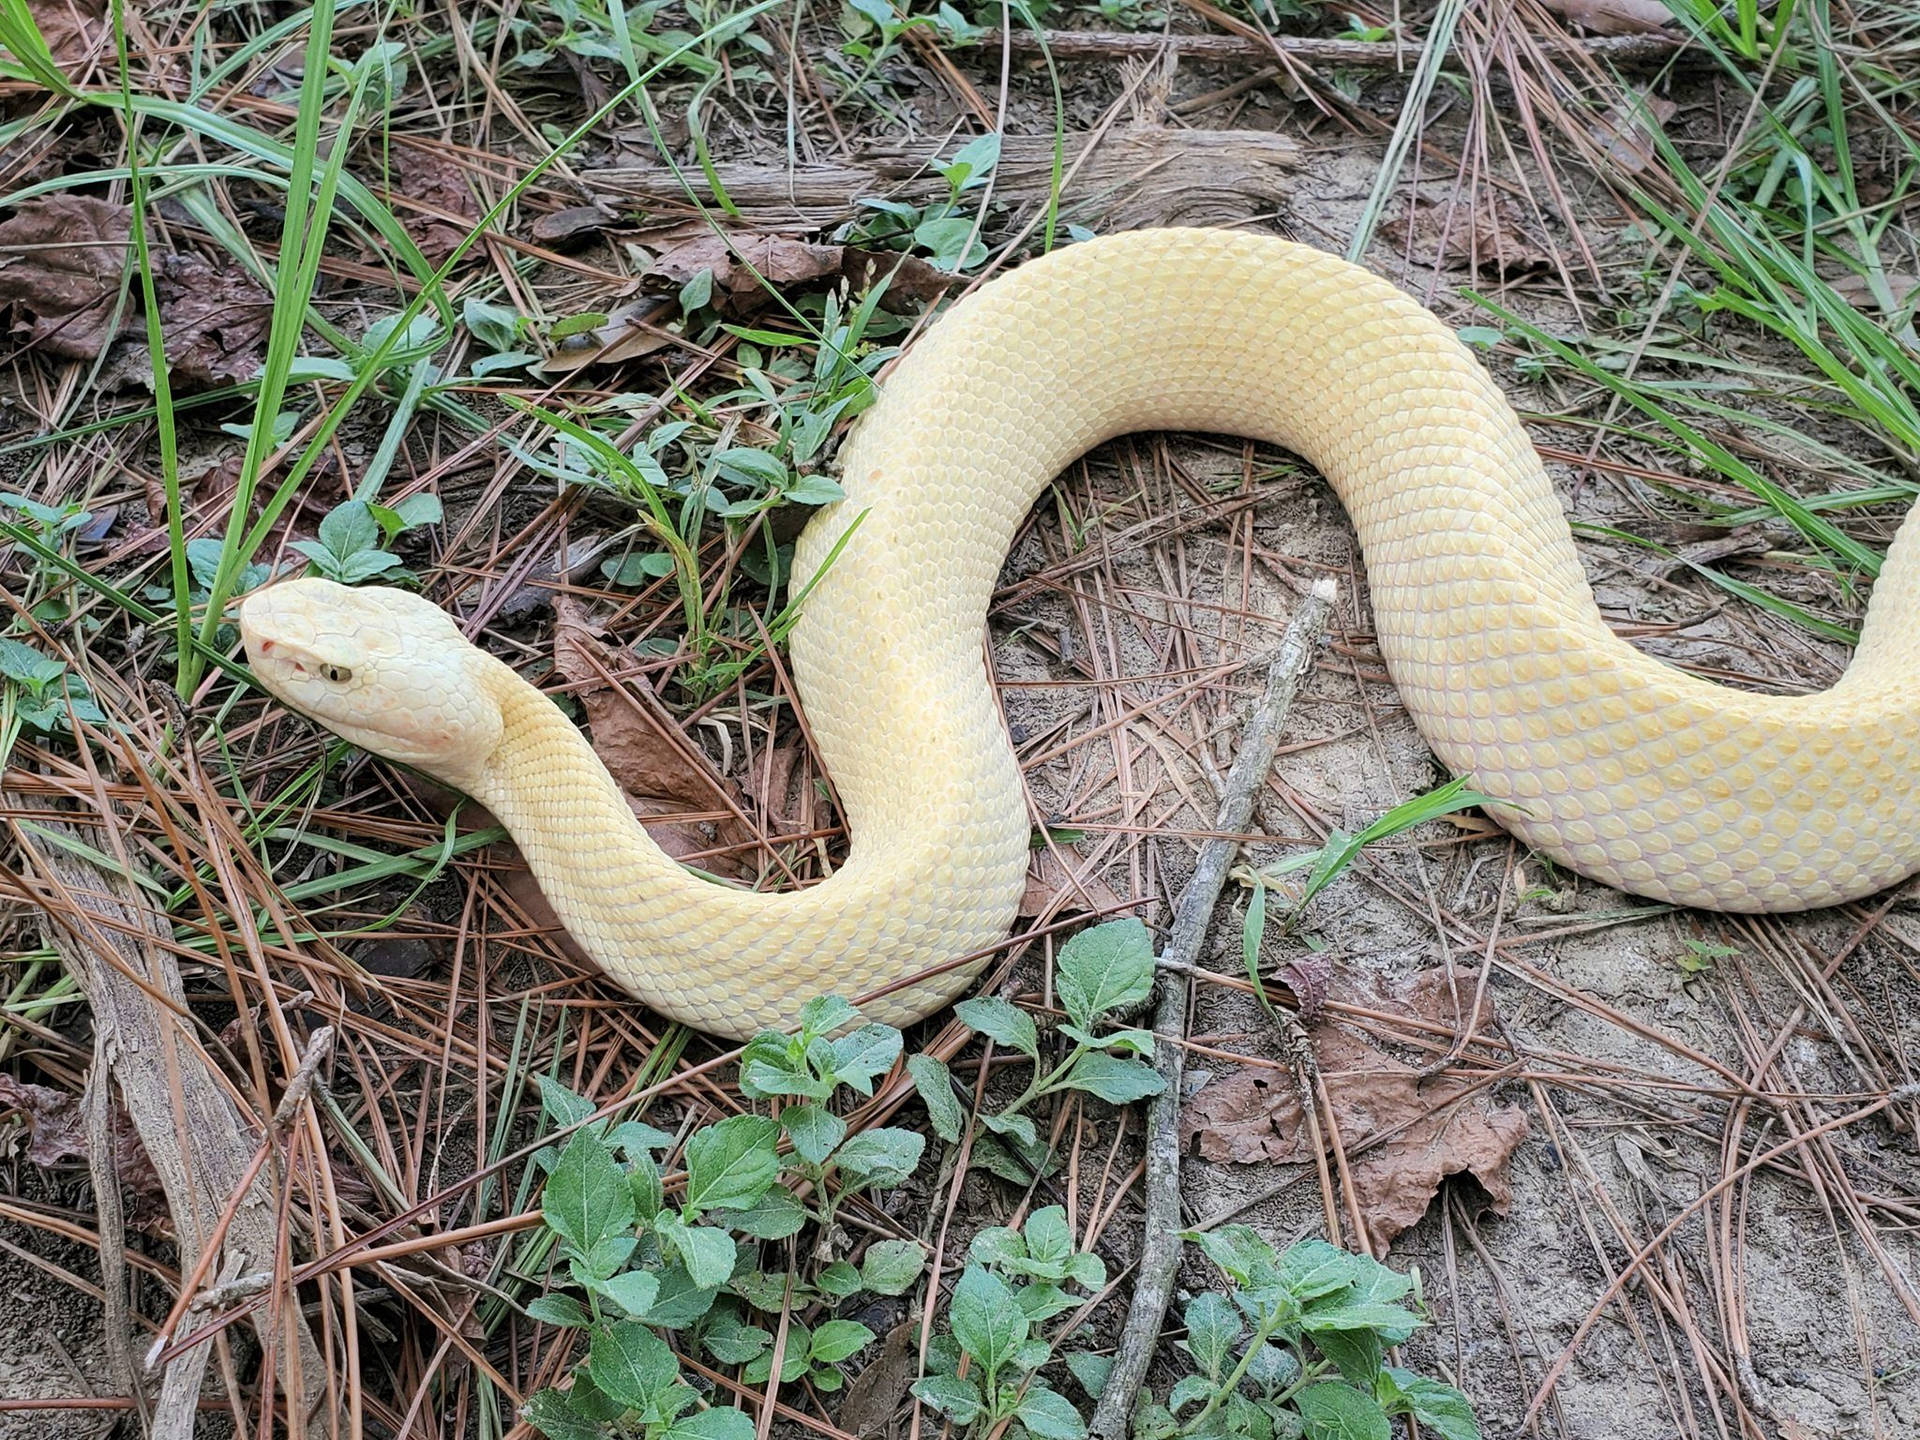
{"x":1609,"y":761}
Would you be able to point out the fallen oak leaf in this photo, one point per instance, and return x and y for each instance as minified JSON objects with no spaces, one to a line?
{"x":75,"y":31}
{"x":57,"y":1131}
{"x":436,"y":198}
{"x":1422,"y":1131}
{"x":878,"y":1392}
{"x":743,"y":266}
{"x":214,"y":319}
{"x":661,"y":772}
{"x":1487,"y":238}
{"x":62,"y":260}
{"x":1053,"y":890}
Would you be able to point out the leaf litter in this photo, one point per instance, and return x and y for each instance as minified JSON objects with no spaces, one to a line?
{"x":1422,"y":1131}
{"x":62,"y":264}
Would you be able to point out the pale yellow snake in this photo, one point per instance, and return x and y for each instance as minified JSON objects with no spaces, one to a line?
{"x":1612,"y":763}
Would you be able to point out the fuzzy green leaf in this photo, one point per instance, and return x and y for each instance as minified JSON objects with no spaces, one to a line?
{"x":1105,"y":968}
{"x":934,"y":1082}
{"x":732,"y":1164}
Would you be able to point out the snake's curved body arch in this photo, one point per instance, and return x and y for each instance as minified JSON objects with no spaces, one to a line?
{"x":1608,"y":761}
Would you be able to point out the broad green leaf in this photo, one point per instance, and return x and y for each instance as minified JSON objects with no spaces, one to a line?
{"x":1092,"y":1371}
{"x":556,"y":1309}
{"x":1238,"y":1250}
{"x":998,"y":1245}
{"x":1189,"y":1390}
{"x":750,"y":467}
{"x":643,"y":1180}
{"x":1018,"y":1127}
{"x":838,"y":1279}
{"x":1002,"y":1022}
{"x":1357,"y":1353}
{"x":634,"y":1366}
{"x":587,"y":1199}
{"x":349,"y":528}
{"x":732,"y":1164}
{"x":1117,"y":1081}
{"x":1047,"y":1236}
{"x":1105,"y":968}
{"x":1312,"y":1268}
{"x":635,"y":1291}
{"x":934,"y":1082}
{"x":814,"y":1130}
{"x":957,"y":1399}
{"x":1049,"y":1414}
{"x":732,"y":1342}
{"x":719,"y":1422}
{"x":837,"y":1340}
{"x":881,"y":1158}
{"x":811,"y":489}
{"x":551,"y":1412}
{"x":1439,"y":1408}
{"x":867,"y":1052}
{"x":1212,"y":1327}
{"x":1334,"y":1411}
{"x":891,"y":1266}
{"x":709,"y":1254}
{"x":680,"y":1302}
{"x":777,"y":1216}
{"x":824,"y":1014}
{"x":986,"y":1317}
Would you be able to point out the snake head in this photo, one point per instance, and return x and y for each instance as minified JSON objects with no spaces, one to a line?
{"x":379,"y":667}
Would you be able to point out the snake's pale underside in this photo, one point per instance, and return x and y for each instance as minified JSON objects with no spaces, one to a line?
{"x":1604,"y":759}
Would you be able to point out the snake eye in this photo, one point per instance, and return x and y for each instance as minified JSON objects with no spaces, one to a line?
{"x":337,"y":674}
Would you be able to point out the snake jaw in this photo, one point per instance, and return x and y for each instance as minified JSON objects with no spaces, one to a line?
{"x":382,"y":668}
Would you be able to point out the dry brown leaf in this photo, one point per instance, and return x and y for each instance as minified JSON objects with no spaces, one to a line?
{"x":1054,"y":890}
{"x":215,"y":319}
{"x":1614,"y":17}
{"x":642,"y":748}
{"x":1626,"y":136}
{"x":878,"y":1392}
{"x":440,"y":209}
{"x":570,"y":223}
{"x":1427,"y":1131}
{"x":75,"y":31}
{"x":58,"y":1131}
{"x":1488,"y":238}
{"x":62,"y":260}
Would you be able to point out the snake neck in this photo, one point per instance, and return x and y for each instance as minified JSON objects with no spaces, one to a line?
{"x":548,"y":788}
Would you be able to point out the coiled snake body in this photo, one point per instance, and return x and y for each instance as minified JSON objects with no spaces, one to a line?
{"x":1610,"y":762}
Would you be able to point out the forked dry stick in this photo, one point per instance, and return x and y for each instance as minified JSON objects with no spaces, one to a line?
{"x":1160,"y":1252}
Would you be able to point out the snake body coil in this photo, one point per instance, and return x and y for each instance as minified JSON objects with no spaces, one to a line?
{"x":1610,"y":762}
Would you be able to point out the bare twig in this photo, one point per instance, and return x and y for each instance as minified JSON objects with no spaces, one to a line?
{"x":1160,"y":1254}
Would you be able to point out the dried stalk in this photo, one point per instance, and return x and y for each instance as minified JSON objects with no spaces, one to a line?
{"x":1160,"y":1254}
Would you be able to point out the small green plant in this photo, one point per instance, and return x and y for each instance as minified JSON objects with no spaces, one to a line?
{"x":638,"y":1265}
{"x":1102,"y":971}
{"x":982,"y":1373}
{"x":1325,"y":865}
{"x":942,"y":228}
{"x":354,"y":536}
{"x":1699,"y":957}
{"x":40,"y":693}
{"x":1298,"y":1350}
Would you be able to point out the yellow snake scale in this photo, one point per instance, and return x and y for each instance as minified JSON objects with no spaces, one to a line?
{"x":1610,"y":762}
